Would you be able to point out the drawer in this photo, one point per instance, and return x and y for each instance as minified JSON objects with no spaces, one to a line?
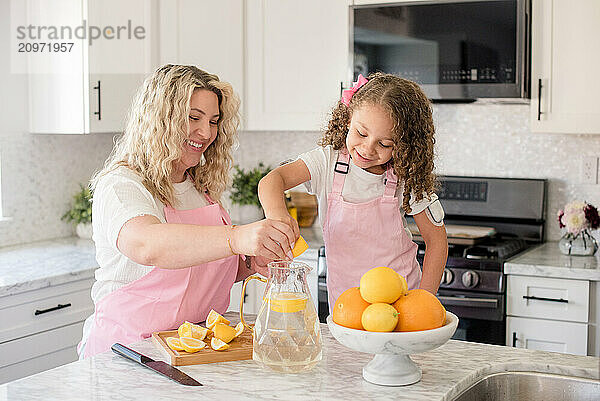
{"x":547,"y":335}
{"x":45,"y":309}
{"x":39,"y":364}
{"x":548,"y":298}
{"x":40,"y":344}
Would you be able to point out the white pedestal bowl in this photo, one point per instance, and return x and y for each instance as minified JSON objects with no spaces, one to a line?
{"x":392,"y":365}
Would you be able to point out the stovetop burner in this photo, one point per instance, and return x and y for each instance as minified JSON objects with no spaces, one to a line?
{"x":495,"y":248}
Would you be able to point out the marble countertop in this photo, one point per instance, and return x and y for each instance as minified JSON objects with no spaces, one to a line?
{"x":42,"y":264}
{"x":447,"y":371}
{"x":547,"y":261}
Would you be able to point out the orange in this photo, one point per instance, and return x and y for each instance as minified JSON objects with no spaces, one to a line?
{"x":382,"y":284}
{"x":419,"y":310}
{"x":379,"y":317}
{"x":348,"y":309}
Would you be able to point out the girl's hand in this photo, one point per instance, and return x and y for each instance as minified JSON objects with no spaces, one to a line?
{"x":286,"y":218}
{"x":268,"y":238}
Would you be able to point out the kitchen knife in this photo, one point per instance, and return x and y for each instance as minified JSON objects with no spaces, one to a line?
{"x":158,"y":366}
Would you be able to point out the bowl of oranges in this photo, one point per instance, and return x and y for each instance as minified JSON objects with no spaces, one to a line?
{"x":384,"y":318}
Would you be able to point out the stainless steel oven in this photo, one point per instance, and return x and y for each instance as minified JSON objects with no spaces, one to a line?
{"x":457,"y":50}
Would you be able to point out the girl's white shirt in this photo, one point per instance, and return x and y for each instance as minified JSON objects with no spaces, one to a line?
{"x":360,"y":186}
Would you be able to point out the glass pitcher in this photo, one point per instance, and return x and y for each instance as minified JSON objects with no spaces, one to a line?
{"x":286,"y":334}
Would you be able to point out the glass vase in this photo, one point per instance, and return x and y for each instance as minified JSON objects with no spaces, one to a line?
{"x":582,"y":244}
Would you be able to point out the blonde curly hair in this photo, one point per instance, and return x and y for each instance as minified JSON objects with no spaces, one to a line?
{"x":413,"y":131}
{"x":157,"y":128}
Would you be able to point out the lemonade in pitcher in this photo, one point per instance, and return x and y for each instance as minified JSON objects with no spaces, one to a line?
{"x":287,"y":335}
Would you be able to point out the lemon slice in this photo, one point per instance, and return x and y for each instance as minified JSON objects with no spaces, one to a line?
{"x":218,"y":345}
{"x":174,"y":344}
{"x":288,"y":302}
{"x":191,"y":345}
{"x":224,"y":332}
{"x":185,"y":330}
{"x":213,"y":318}
{"x":299,"y":247}
{"x":239,"y":329}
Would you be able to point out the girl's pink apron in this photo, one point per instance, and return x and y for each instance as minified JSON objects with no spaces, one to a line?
{"x":360,"y":236}
{"x":165,"y":298}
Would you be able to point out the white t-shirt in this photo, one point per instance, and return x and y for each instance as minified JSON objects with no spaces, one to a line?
{"x":360,"y":185}
{"x":119,"y":197}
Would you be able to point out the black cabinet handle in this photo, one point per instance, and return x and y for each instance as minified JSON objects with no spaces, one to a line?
{"x":540,"y":99}
{"x":57,"y":307}
{"x":566,"y":301}
{"x":99,"y":112}
{"x":514,"y":339}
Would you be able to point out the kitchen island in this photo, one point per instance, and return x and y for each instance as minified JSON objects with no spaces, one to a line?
{"x":447,"y":371}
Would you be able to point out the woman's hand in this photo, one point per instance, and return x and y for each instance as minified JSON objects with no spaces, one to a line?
{"x":286,"y":218}
{"x":271,"y":239}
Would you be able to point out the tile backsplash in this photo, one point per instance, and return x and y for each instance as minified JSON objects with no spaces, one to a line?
{"x":41,"y":172}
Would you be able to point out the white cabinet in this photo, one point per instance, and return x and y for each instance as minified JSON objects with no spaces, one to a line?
{"x":548,"y":314}
{"x":208,"y":34}
{"x":41,"y":329}
{"x":297,"y":59}
{"x":565,"y":58}
{"x":90,"y":88}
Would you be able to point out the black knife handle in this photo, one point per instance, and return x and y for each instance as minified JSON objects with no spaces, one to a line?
{"x":129,"y":353}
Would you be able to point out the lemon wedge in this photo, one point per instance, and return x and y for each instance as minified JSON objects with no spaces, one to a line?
{"x":299,"y":247}
{"x":174,"y":344}
{"x":213,"y":318}
{"x":185,"y":330}
{"x":191,"y":345}
{"x":218,"y":345}
{"x":239,"y":329}
{"x":224,"y":332}
{"x":199,"y":332}
{"x":288,"y":302}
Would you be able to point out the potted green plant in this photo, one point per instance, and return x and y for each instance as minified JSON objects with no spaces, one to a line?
{"x":244,"y":192}
{"x":80,"y":213}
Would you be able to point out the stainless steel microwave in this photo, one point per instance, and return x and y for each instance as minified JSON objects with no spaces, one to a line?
{"x":457,"y":50}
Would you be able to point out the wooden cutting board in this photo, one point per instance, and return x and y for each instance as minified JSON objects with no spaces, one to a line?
{"x":240,"y":349}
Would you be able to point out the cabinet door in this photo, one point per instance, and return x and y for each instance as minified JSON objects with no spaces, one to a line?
{"x":297,"y":58}
{"x":565,"y":58}
{"x":117,"y":66}
{"x":236,"y":295}
{"x":547,"y":335}
{"x":208,"y":34}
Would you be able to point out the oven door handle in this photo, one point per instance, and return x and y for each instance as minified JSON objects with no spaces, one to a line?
{"x":474,"y":302}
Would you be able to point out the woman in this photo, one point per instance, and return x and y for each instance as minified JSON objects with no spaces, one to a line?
{"x":166,"y":247}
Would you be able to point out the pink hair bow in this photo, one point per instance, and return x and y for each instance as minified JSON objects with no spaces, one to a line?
{"x":348,"y":93}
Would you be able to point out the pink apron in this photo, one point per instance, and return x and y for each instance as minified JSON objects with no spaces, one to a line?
{"x":360,"y":236}
{"x":165,"y":298}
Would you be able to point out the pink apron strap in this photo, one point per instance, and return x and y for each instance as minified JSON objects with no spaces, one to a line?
{"x":391,"y":182}
{"x":342,"y":166}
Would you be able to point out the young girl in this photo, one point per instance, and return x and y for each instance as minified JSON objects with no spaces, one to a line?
{"x":375,"y":164}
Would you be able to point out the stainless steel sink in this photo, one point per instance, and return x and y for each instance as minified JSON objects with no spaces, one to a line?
{"x":530,"y":386}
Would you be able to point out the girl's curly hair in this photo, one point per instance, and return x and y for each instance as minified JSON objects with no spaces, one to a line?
{"x":413,"y":131}
{"x":157,"y":129}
